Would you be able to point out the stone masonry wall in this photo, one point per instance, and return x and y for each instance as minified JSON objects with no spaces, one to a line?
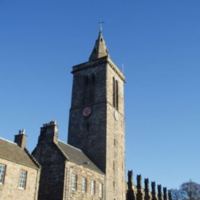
{"x":90,"y":175}
{"x":10,"y":190}
{"x":115,"y":181}
{"x":52,"y":172}
{"x":89,"y":132}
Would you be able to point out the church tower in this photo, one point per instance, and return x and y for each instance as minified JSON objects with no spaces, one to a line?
{"x":96,"y":121}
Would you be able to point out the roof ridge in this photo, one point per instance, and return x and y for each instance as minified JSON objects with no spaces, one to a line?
{"x":70,"y":145}
{"x":6,"y":140}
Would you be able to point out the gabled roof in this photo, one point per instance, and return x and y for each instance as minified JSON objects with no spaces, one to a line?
{"x":12,"y":152}
{"x":77,"y":156}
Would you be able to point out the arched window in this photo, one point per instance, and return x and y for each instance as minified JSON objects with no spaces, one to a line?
{"x":89,"y":89}
{"x":115,"y":94}
{"x":86,"y":81}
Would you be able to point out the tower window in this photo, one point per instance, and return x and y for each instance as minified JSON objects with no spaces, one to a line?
{"x":115,"y":94}
{"x":86,"y":80}
{"x":89,"y":89}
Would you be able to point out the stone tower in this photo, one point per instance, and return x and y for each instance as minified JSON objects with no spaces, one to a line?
{"x":96,"y":121}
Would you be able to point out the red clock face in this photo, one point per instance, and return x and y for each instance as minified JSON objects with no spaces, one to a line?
{"x":87,"y":111}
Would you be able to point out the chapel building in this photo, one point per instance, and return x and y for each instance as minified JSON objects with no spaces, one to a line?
{"x":91,"y":166}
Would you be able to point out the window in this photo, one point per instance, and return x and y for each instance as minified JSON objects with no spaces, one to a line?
{"x":86,"y":81}
{"x":100,"y":190}
{"x":92,"y":89}
{"x":89,"y":89}
{"x":115,"y":94}
{"x":22,"y":179}
{"x":74,"y":180}
{"x":84,"y":185}
{"x":2,"y":173}
{"x":92,"y":187}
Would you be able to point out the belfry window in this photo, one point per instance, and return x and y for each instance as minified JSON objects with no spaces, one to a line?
{"x":89,"y":89}
{"x":115,"y":94}
{"x":86,"y":81}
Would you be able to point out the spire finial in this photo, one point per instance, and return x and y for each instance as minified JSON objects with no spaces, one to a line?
{"x":101,"y":26}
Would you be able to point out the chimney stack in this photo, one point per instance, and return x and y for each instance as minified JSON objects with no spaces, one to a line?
{"x":49,"y":132}
{"x":20,"y":139}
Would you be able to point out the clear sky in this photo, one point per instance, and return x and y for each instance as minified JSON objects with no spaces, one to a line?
{"x":158,"y":42}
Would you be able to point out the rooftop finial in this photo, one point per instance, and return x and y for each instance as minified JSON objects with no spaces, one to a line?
{"x":101,"y":26}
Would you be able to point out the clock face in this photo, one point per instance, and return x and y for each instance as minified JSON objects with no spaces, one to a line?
{"x":87,"y":111}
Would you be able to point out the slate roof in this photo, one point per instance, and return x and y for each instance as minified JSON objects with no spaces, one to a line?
{"x":77,"y":156}
{"x":12,"y":152}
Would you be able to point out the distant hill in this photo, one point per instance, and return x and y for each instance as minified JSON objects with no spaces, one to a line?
{"x":188,"y":191}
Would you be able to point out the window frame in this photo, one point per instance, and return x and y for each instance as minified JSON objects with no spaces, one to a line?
{"x":84,"y":185}
{"x":92,"y":187}
{"x":74,"y":182}
{"x":22,"y":182}
{"x":100,"y":190}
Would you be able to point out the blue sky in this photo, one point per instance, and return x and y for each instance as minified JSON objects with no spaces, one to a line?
{"x":158,"y":42}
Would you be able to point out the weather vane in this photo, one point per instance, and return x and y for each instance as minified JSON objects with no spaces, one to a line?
{"x":101,"y":26}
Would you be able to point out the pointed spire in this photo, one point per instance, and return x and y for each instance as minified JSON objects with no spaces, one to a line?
{"x":100,"y":50}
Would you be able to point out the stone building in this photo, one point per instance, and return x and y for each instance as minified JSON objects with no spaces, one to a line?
{"x":96,"y":119}
{"x":92,"y":164}
{"x":19,"y":172}
{"x":67,"y":173}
